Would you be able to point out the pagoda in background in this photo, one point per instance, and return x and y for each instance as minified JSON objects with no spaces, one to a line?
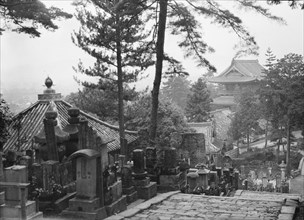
{"x":240,"y":76}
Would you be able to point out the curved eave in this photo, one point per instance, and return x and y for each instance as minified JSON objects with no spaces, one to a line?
{"x":232,"y":80}
{"x":87,"y":153}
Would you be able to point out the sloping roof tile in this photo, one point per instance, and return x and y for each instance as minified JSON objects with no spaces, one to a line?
{"x":249,"y":70}
{"x":32,"y":123}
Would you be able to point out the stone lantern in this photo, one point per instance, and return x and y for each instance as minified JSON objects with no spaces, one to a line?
{"x":192,"y":179}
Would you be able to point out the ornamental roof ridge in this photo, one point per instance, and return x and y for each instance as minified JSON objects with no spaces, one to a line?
{"x":250,"y":70}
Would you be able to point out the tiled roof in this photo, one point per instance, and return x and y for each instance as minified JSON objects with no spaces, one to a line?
{"x":32,"y":123}
{"x":224,"y":100}
{"x":240,"y":71}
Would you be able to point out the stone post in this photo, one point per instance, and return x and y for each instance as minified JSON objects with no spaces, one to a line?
{"x":83,"y":129}
{"x":203,"y":178}
{"x":122,"y":159}
{"x":226,"y":175}
{"x":269,"y":171}
{"x":246,"y":184}
{"x":192,"y":180}
{"x":49,"y":127}
{"x":283,"y":170}
{"x":139,"y":164}
{"x":151,"y":158}
{"x":219,"y":172}
{"x":1,"y":168}
{"x":213,"y":178}
{"x":236,"y":179}
{"x":170,"y":158}
{"x":73,"y":130}
{"x":145,"y":188}
{"x":243,"y":170}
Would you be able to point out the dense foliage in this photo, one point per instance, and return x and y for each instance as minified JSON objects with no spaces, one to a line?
{"x":282,"y":95}
{"x":28,"y":16}
{"x":5,"y":119}
{"x":176,"y":90}
{"x":198,"y":103}
{"x":171,"y":120}
{"x":245,"y":120}
{"x":102,"y":103}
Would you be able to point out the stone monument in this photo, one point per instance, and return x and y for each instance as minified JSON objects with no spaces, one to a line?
{"x":171,"y":176}
{"x":16,"y":205}
{"x":145,"y":188}
{"x":89,"y":200}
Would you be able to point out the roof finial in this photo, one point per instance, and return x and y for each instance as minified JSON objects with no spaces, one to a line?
{"x":48,"y":82}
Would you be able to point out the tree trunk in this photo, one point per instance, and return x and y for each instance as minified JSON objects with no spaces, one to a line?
{"x":266,"y":134}
{"x":121,"y":120}
{"x":288,"y":168}
{"x":248,"y":139}
{"x":278,"y":152}
{"x":159,"y":65}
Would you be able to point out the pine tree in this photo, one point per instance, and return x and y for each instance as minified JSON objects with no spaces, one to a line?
{"x":176,"y":90}
{"x":198,"y":104}
{"x":282,"y":95}
{"x":28,"y":16}
{"x":270,"y":59}
{"x":114,"y":35}
{"x":182,"y":21}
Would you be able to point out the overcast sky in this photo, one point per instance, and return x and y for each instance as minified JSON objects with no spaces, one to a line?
{"x":26,"y":61}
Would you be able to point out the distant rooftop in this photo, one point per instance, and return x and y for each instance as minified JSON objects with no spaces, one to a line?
{"x":224,"y":100}
{"x":240,"y":71}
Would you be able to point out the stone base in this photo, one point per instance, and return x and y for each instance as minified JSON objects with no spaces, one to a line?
{"x":172,"y":181}
{"x":128,"y":190}
{"x":57,"y":206}
{"x":170,"y":171}
{"x":63,"y":203}
{"x":12,"y":210}
{"x":147,"y":192}
{"x":132,"y":197}
{"x":141,"y":183}
{"x":97,"y":214}
{"x":131,"y":194}
{"x":154,"y":178}
{"x":2,"y":197}
{"x":117,"y":206}
{"x":83,"y":205}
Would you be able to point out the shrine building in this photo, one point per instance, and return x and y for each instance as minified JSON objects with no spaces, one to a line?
{"x":26,"y":130}
{"x":240,"y":76}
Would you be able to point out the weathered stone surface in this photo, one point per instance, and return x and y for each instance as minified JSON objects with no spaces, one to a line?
{"x":15,"y":174}
{"x":189,"y":206}
{"x":285,"y":216}
{"x":97,"y":214}
{"x":170,"y":180}
{"x":2,"y":197}
{"x":288,"y":209}
{"x":148,"y":191}
{"x":84,"y":205}
{"x":132,"y":197}
{"x":117,"y":206}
